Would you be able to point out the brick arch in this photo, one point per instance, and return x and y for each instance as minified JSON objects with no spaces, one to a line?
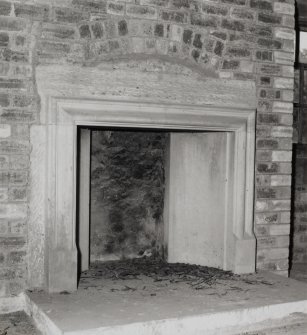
{"x":115,"y":37}
{"x":110,"y":48}
{"x":123,"y":36}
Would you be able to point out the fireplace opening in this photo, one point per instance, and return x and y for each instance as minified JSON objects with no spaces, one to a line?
{"x":154,"y":194}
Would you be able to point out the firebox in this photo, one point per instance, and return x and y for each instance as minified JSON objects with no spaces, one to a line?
{"x":163,"y":194}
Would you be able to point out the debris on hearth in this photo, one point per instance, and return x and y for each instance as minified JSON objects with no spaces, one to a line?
{"x":198,"y":277}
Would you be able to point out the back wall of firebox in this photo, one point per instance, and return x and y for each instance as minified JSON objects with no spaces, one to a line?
{"x":127,"y":194}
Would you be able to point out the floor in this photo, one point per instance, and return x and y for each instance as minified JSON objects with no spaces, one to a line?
{"x":20,"y":324}
{"x":133,"y":298}
{"x":300,"y":275}
{"x":17,"y":324}
{"x":292,"y":325}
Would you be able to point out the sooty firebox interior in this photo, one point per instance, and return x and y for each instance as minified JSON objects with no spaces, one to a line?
{"x":127,"y":194}
{"x":164,"y":193}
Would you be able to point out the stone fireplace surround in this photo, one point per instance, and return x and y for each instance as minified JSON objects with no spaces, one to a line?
{"x":115,"y":95}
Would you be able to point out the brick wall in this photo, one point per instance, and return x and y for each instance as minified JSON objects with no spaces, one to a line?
{"x":18,"y":109}
{"x":240,"y":39}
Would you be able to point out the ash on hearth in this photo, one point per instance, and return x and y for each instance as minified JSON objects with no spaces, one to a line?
{"x":196,"y":276}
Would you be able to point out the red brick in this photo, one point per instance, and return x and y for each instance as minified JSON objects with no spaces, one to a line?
{"x":12,"y":242}
{"x":50,"y":47}
{"x":263,"y":155}
{"x":141,"y":11}
{"x":4,"y":68}
{"x":18,"y":194}
{"x":14,"y":147}
{"x":69,"y":15}
{"x":116,"y":8}
{"x":4,"y":162}
{"x":20,"y":41}
{"x":273,"y":192}
{"x":84,"y":31}
{"x":266,"y":218}
{"x":3,"y":227}
{"x":4,"y":178}
{"x":12,"y":83}
{"x":17,"y":227}
{"x":12,"y":273}
{"x":97,"y":30}
{"x":13,"y":210}
{"x":7,"y":273}
{"x":3,"y":193}
{"x":19,"y":162}
{"x":4,"y":39}
{"x":273,"y":242}
{"x":90,"y":5}
{"x":32,"y":12}
{"x":204,"y":21}
{"x":22,"y":100}
{"x":18,"y":177}
{"x":15,"y":115}
{"x":13,"y":24}
{"x":13,"y":56}
{"x":213,"y":9}
{"x":5,"y":8}
{"x":56,"y":31}
{"x":234,"y":25}
{"x":16,"y":257}
{"x":185,"y":4}
{"x":4,"y":100}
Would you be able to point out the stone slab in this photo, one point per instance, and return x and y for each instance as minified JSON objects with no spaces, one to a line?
{"x":136,"y":79}
{"x":92,"y":311}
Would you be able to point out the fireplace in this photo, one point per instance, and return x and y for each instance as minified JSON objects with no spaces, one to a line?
{"x":209,"y":165}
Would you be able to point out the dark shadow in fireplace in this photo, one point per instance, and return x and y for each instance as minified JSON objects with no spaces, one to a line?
{"x":78,"y":171}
